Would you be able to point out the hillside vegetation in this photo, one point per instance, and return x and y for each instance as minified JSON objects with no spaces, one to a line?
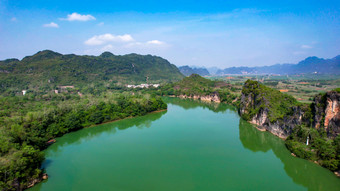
{"x":262,"y":97}
{"x":195,"y":85}
{"x":46,"y":70}
{"x":27,"y":123}
{"x":303,"y":125}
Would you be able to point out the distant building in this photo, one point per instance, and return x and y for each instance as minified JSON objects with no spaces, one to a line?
{"x":56,"y":91}
{"x":143,"y":86}
{"x":24,"y":92}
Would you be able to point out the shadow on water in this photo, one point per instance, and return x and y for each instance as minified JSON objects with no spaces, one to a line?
{"x":192,"y":104}
{"x":47,"y":163}
{"x":86,"y":134}
{"x":301,"y":171}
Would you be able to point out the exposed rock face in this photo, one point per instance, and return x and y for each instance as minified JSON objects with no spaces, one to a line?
{"x":255,"y":107}
{"x":318,"y":110}
{"x":327,"y":112}
{"x":45,"y":176}
{"x":208,"y":98}
{"x":213,"y":98}
{"x":281,"y":128}
{"x":31,"y":183}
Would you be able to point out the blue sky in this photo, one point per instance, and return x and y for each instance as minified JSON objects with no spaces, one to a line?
{"x":201,"y":33}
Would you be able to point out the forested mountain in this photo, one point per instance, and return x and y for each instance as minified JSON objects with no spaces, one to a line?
{"x":187,"y":71}
{"x":197,"y":87}
{"x":47,"y":68}
{"x":309,"y":65}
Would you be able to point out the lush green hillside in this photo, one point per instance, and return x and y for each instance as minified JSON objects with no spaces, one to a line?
{"x":308,"y":136}
{"x":27,"y":123}
{"x":47,"y":69}
{"x":195,"y":85}
{"x":277,"y":104}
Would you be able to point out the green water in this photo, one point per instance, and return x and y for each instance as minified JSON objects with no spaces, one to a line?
{"x":192,"y":146}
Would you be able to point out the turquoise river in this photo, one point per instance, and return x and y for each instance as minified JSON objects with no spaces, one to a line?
{"x":191,"y":146}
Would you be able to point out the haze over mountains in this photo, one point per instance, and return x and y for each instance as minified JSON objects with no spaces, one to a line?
{"x":308,"y":66}
{"x":187,"y":71}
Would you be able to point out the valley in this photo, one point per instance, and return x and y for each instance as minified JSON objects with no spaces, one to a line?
{"x":45,"y":108}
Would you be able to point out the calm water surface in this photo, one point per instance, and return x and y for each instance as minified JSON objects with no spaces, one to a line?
{"x":192,"y":146}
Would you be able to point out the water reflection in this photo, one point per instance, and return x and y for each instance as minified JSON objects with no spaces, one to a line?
{"x":87,"y":134}
{"x":301,"y":171}
{"x":192,"y":104}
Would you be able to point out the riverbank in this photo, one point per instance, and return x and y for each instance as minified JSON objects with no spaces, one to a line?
{"x":26,"y":133}
{"x":153,"y":151}
{"x":125,"y":118}
{"x":44,"y":176}
{"x":204,"y":98}
{"x":280,"y":135}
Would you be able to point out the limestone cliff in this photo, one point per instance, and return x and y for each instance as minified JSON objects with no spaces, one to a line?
{"x":214,"y":97}
{"x":279,"y":113}
{"x":327,"y":112}
{"x":269,"y":109}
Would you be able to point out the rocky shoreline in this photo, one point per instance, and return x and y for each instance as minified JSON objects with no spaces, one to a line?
{"x":43,"y":176}
{"x":281,"y":115}
{"x":206,"y":98}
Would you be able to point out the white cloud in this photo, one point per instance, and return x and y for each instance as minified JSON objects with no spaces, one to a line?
{"x":105,"y":38}
{"x":155,"y":42}
{"x":306,"y":46}
{"x":148,"y":44}
{"x":78,"y":17}
{"x":13,"y":19}
{"x":100,"y":24}
{"x":51,"y":25}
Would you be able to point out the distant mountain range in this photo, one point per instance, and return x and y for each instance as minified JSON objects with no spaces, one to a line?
{"x":307,"y":66}
{"x":47,"y":68}
{"x":311,"y":65}
{"x":213,"y":70}
{"x":187,"y":71}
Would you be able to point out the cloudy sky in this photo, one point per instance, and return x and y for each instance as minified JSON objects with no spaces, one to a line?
{"x":202,"y":33}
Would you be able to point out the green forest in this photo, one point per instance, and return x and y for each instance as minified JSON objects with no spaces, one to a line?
{"x":27,"y":123}
{"x":91,"y":90}
{"x":47,"y":70}
{"x":199,"y":86}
